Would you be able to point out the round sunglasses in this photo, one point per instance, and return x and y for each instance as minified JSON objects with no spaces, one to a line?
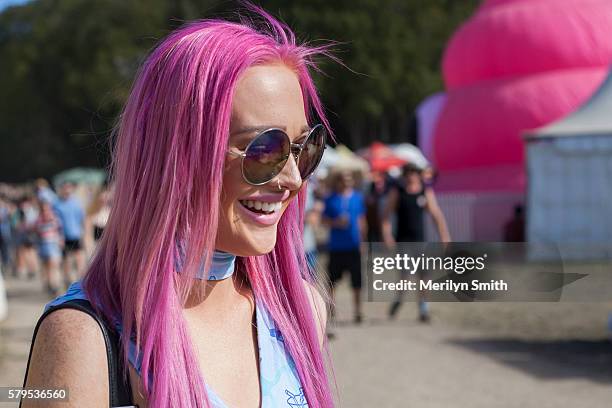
{"x":267,"y":154}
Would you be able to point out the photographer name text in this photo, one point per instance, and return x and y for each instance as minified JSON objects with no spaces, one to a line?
{"x":444,"y":286}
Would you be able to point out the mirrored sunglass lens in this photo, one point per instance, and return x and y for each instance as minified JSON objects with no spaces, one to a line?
{"x":312,"y":151}
{"x":266,"y":156}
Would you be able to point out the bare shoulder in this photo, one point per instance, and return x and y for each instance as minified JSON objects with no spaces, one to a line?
{"x":69,"y":352}
{"x":319,"y":308}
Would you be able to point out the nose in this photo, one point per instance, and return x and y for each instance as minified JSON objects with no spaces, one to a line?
{"x":290,"y":177}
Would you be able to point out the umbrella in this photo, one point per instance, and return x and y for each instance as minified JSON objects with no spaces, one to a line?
{"x":411,"y":154}
{"x":80,"y":175}
{"x":347,"y":160}
{"x":340,"y":158}
{"x":381,"y":157}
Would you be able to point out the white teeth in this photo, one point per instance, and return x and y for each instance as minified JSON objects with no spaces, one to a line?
{"x":263,"y":206}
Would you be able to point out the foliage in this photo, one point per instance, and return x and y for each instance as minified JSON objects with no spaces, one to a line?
{"x":66,"y":67}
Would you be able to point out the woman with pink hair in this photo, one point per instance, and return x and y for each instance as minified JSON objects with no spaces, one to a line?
{"x":201,"y":261}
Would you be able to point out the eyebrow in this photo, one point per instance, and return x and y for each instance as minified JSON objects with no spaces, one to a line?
{"x":261,"y":128}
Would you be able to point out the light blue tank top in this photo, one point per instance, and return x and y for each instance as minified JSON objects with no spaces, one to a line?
{"x":279,"y":383}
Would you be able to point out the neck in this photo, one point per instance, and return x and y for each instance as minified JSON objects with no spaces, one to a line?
{"x":217,"y":294}
{"x":220,"y":287}
{"x":221,"y":266}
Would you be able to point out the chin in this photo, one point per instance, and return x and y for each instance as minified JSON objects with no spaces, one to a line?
{"x":248,"y":238}
{"x":262,"y":250}
{"x":260,"y":245}
{"x":249,"y":243}
{"x":253,"y":249}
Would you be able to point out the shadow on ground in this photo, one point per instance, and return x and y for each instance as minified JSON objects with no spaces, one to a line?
{"x":549,"y":360}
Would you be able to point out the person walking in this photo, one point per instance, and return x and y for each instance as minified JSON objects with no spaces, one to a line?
{"x":408,"y":201}
{"x":72,"y":217}
{"x":98,"y":212}
{"x":50,"y":243}
{"x":344,"y":213}
{"x":26,"y":263}
{"x":6,"y":236}
{"x":312,"y":219}
{"x":44,"y":192}
{"x":376,"y":203}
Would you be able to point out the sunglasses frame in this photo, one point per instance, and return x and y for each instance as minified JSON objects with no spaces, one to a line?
{"x":294,"y":148}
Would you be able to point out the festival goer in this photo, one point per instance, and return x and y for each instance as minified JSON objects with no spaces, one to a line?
{"x":50,"y":243}
{"x":44,"y":192}
{"x":6,"y":236}
{"x":409,"y":201}
{"x":98,"y":212}
{"x":514,"y":230}
{"x":72,"y":217}
{"x":344,"y":213}
{"x":26,"y":263}
{"x":312,"y":218}
{"x":201,"y":263}
{"x":376,"y":203}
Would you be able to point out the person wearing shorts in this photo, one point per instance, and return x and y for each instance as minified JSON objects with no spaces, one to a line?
{"x":72,"y":217}
{"x":26,"y":265}
{"x":72,"y":245}
{"x":49,"y":231}
{"x":345,"y":214}
{"x":350,"y":261}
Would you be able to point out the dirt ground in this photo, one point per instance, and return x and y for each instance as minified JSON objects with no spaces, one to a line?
{"x":471,"y":354}
{"x":474,"y":355}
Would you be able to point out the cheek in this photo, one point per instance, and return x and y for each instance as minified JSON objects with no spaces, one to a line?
{"x":234,"y":234}
{"x":237,"y":235}
{"x":233,"y":187}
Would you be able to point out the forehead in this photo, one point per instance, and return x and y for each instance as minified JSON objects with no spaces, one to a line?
{"x":268,"y":95}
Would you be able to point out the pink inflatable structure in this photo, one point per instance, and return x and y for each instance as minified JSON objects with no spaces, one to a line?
{"x":514,"y":65}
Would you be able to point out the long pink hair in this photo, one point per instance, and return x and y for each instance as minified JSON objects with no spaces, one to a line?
{"x":167,"y":168}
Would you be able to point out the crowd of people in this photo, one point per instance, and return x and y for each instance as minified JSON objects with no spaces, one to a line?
{"x":386,"y":209}
{"x":47,"y":234}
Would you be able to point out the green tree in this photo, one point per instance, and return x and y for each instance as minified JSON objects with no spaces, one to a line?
{"x":66,"y":67}
{"x":65,"y":71}
{"x":394,"y":47}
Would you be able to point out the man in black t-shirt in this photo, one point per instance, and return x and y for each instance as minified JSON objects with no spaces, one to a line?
{"x":408,"y":201}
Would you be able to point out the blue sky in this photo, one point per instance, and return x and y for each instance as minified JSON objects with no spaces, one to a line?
{"x":5,"y":3}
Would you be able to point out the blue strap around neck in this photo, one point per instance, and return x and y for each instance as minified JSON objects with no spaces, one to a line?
{"x":222,"y":265}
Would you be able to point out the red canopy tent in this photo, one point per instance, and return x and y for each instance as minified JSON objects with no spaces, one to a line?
{"x":381,"y":157}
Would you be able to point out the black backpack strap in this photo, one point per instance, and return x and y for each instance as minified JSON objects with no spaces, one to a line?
{"x":120,"y":392}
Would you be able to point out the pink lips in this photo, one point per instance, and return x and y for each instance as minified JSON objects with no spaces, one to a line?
{"x":263,"y":219}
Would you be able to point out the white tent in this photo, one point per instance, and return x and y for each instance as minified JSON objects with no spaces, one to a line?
{"x":569,"y":169}
{"x":411,"y":154}
{"x":340,"y":158}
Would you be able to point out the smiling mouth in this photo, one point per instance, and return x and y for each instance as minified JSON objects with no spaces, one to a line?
{"x":261,"y":207}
